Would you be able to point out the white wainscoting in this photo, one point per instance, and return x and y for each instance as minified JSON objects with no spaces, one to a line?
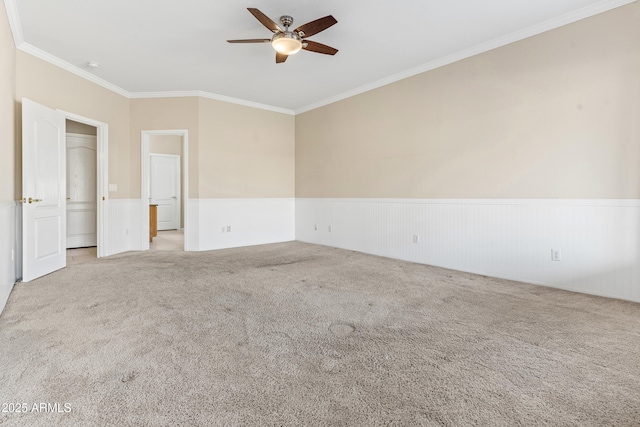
{"x":18,"y":239}
{"x":252,"y":222}
{"x":599,"y":240}
{"x":124,"y":225}
{"x":8,"y":250}
{"x":192,"y":225}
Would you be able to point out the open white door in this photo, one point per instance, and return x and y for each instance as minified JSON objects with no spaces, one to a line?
{"x":43,"y":191}
{"x":165,"y":189}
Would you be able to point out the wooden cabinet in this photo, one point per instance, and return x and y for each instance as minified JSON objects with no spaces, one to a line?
{"x":153,"y":222}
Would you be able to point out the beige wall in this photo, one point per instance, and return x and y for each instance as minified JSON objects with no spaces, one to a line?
{"x":553,"y":116}
{"x":234,"y":151}
{"x":164,"y":114}
{"x":56,"y":88}
{"x":245,"y":152}
{"x":7,"y":90}
{"x":165,"y":144}
{"x":81,"y":128}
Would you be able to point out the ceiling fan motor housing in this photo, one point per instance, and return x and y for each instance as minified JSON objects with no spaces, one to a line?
{"x":286,"y":20}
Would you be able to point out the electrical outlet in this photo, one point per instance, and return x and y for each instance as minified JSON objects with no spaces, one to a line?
{"x":416,"y":238}
{"x":228,"y":229}
{"x":556,"y":255}
{"x":329,"y":229}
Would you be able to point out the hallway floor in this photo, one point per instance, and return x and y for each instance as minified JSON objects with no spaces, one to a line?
{"x":79,"y":255}
{"x":168,"y":240}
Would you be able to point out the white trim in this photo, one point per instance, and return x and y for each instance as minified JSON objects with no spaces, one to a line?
{"x":41,"y":54}
{"x":144,"y":183}
{"x":102,"y":182}
{"x":209,"y":95}
{"x":8,"y":249}
{"x":14,"y":21}
{"x":18,"y":241}
{"x":477,"y":202}
{"x":542,"y":27}
{"x":8,"y":205}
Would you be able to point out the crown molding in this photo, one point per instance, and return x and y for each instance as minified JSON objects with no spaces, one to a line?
{"x":168,"y":94}
{"x":252,"y":104}
{"x":47,"y":57}
{"x":586,"y":12}
{"x":14,"y":21}
{"x":209,"y":95}
{"x":41,"y":54}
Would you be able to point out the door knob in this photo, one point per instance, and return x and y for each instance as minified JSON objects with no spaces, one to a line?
{"x":34,"y":200}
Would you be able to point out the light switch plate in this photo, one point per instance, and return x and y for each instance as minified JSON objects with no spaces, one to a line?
{"x":113,"y":187}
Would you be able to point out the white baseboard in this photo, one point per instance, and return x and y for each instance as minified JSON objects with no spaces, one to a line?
{"x":251,"y":222}
{"x":511,"y":239}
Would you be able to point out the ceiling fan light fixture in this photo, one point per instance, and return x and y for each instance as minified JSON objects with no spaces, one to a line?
{"x":286,"y":43}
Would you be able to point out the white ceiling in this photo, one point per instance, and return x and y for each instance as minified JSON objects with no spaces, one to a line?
{"x":162,"y":45}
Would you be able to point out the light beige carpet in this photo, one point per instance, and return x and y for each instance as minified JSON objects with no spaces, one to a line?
{"x":297,"y":334}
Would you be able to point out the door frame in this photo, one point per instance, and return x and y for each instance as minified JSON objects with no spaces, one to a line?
{"x":144,"y":182}
{"x":97,"y":196}
{"x":102,"y":181}
{"x":178,"y":159}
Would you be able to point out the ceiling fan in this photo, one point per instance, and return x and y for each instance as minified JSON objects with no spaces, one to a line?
{"x":287,"y":42}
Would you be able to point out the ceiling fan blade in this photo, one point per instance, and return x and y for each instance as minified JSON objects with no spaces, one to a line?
{"x":264,"y":20}
{"x":318,"y":47}
{"x":314,"y":27}
{"x":281,"y":57}
{"x":250,"y":41}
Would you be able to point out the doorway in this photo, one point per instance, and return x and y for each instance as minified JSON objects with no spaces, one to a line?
{"x":165,"y":189}
{"x":80,"y":125}
{"x":81,"y":194}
